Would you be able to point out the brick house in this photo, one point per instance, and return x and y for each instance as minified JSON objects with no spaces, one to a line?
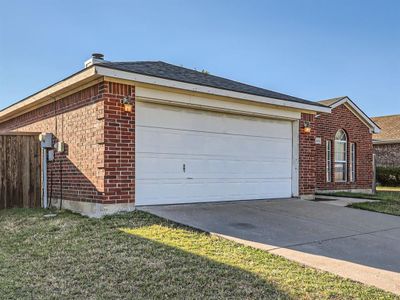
{"x":148,"y":133}
{"x":387,"y":142}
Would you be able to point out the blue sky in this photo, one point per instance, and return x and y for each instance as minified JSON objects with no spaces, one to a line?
{"x":306,"y":48}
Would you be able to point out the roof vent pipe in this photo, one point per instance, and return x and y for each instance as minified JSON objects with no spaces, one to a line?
{"x":96,"y":58}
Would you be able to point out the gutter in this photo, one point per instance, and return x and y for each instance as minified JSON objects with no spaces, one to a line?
{"x":385,"y":142}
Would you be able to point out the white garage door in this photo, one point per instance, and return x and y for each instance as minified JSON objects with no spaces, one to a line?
{"x":186,"y":155}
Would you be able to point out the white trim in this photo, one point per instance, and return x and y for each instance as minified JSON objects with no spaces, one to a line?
{"x":295,"y":158}
{"x":352,"y":163}
{"x":213,"y":103}
{"x":365,"y":118}
{"x":384,"y":142}
{"x":328,"y":160}
{"x":204,"y":89}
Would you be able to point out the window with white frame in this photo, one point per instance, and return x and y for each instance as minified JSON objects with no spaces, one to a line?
{"x":328,"y":161}
{"x":352,"y":162}
{"x":340,"y":156}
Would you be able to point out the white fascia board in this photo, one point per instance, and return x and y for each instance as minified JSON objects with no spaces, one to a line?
{"x":38,"y":99}
{"x":366,"y":119}
{"x":385,"y":142}
{"x":205,"y":89}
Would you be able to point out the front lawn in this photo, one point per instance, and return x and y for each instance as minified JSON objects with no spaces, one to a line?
{"x":389,"y":200}
{"x":139,"y":256}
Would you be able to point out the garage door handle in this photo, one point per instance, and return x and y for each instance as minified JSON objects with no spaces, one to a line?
{"x":189,"y":177}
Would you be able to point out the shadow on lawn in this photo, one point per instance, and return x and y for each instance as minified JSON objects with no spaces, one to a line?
{"x":174,"y":266}
{"x":92,"y":258}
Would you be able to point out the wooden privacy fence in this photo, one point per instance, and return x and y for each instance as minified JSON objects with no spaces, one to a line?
{"x":20,"y":170}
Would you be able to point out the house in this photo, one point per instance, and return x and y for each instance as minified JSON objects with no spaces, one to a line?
{"x":387,"y":142}
{"x":148,"y":133}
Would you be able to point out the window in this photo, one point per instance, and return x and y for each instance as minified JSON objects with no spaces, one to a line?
{"x":340,"y":156}
{"x":352,"y":162}
{"x":328,"y":161}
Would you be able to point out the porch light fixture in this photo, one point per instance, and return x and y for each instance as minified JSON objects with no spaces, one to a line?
{"x":128,"y":107}
{"x":307,"y":127}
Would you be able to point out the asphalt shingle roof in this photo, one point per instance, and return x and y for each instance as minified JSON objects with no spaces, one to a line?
{"x":390,"y":128}
{"x":168,"y":71}
{"x":329,"y":102}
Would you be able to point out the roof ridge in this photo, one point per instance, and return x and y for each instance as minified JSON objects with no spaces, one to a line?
{"x":127,"y":62}
{"x":386,"y":116}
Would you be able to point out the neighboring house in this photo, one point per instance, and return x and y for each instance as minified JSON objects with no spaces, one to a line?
{"x":344,"y":152}
{"x":387,"y":142}
{"x":146,"y":133}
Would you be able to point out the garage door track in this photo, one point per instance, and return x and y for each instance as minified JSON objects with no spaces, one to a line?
{"x":356,"y":244}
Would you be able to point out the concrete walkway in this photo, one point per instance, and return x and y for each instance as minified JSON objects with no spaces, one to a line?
{"x":341,"y":201}
{"x":356,"y":244}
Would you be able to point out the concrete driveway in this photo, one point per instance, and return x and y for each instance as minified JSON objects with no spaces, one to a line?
{"x":356,"y":244}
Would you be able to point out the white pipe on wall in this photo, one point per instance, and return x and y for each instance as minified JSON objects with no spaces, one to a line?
{"x":44,"y":177}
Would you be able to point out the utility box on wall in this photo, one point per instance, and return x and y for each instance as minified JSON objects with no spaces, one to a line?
{"x":46,"y":140}
{"x":60,"y":147}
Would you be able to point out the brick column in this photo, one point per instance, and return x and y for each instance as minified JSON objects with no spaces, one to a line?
{"x":119,"y":145}
{"x":307,"y":159}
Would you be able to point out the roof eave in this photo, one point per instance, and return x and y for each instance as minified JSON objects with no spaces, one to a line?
{"x":85,"y":76}
{"x":136,"y":77}
{"x":49,"y":94}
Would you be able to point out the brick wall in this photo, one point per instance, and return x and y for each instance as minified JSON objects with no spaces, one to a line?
{"x":387,"y":155}
{"x":307,"y":162}
{"x":357,"y":132}
{"x":98,"y":164}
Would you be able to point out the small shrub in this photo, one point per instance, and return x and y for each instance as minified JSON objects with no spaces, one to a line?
{"x":388,"y":176}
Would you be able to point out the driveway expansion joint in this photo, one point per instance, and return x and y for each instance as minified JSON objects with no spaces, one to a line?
{"x":332,"y":239}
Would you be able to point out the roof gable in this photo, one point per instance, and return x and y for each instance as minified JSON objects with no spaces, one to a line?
{"x":335,"y":102}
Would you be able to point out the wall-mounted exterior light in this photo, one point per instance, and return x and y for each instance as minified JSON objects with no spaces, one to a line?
{"x":128,"y":106}
{"x":307,"y":127}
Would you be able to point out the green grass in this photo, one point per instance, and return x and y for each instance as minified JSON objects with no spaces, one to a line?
{"x":389,"y":200}
{"x":139,"y":256}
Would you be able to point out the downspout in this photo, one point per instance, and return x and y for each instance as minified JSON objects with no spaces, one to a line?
{"x":44,"y":177}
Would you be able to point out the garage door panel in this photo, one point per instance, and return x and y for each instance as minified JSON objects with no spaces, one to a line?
{"x":162,"y":140}
{"x":162,"y":166}
{"x":170,"y":117}
{"x":184,"y":155}
{"x":211,"y":190}
{"x":237,"y":169}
